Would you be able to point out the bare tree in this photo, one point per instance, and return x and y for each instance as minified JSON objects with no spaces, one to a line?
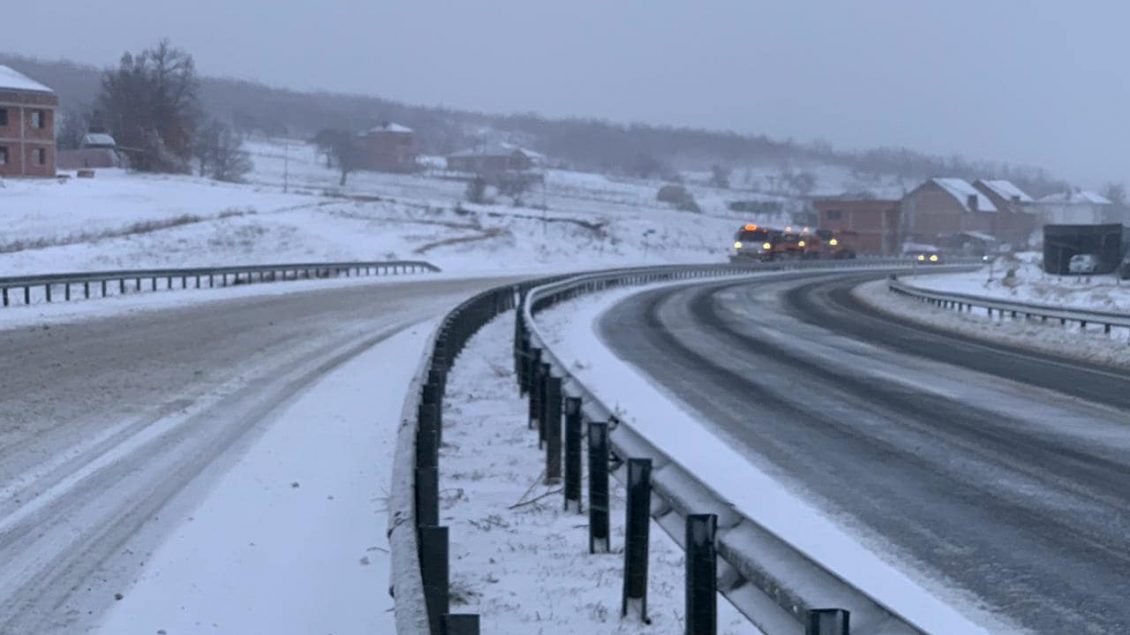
{"x":230,"y":162}
{"x":720,"y":176}
{"x":150,"y":105}
{"x":72,"y":128}
{"x":219,"y":153}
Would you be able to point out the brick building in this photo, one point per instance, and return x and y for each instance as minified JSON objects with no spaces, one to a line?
{"x":27,"y":126}
{"x":941,"y":209}
{"x":389,"y":147}
{"x":1016,"y":217}
{"x":494,"y":159}
{"x":872,"y":224}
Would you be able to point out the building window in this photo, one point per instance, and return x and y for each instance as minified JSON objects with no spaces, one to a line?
{"x":40,"y":156}
{"x":835,"y":214}
{"x":3,"y":155}
{"x":3,"y":117}
{"x":38,"y":119}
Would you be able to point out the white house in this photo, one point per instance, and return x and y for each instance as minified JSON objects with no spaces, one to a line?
{"x":1074,"y":207}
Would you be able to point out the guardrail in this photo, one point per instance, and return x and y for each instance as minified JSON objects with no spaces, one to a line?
{"x":418,"y":543}
{"x":108,"y":283}
{"x":772,"y":583}
{"x":965,"y":303}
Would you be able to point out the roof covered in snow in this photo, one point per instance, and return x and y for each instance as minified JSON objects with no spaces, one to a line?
{"x":498,"y":150}
{"x":1006,"y":190}
{"x":13,"y":80}
{"x":961,"y":190}
{"x":1076,"y":197}
{"x":98,"y":139}
{"x":388,"y":126}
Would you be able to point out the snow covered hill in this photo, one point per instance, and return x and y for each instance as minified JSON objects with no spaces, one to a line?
{"x":125,"y":220}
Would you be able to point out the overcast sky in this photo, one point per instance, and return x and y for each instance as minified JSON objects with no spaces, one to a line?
{"x":1040,"y":82}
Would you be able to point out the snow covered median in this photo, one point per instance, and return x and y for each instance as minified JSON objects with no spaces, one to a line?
{"x":517,"y":558}
{"x":1021,"y":278}
{"x":1090,"y":344}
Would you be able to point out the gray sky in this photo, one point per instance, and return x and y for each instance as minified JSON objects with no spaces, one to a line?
{"x":1040,"y":82}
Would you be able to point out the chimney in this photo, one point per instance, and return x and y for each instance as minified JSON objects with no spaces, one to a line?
{"x":971,"y":200}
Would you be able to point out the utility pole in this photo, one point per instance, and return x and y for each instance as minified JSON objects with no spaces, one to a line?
{"x":286,"y":165}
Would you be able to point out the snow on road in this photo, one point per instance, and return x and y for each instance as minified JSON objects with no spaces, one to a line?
{"x":291,"y":539}
{"x":517,"y":558}
{"x":571,"y":329}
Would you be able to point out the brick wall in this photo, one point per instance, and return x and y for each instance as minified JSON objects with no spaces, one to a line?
{"x":30,"y":149}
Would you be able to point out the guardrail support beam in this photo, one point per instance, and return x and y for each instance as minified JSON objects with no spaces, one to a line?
{"x":828,"y":622}
{"x":636,"y":537}
{"x":598,"y":487}
{"x":573,"y":454}
{"x":552,"y":430}
{"x":701,"y":574}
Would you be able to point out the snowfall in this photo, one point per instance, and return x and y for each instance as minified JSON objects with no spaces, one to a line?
{"x":272,"y":550}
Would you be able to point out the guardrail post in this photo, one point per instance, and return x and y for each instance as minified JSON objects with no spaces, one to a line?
{"x":542,"y":389}
{"x":598,"y":487}
{"x":461,"y":624}
{"x":5,"y":292}
{"x":27,"y":295}
{"x":702,"y":575}
{"x":552,"y":430}
{"x":828,"y":622}
{"x":533,"y":373}
{"x":434,"y":571}
{"x":573,"y":454}
{"x":86,"y":289}
{"x":47,"y":288}
{"x":636,"y":534}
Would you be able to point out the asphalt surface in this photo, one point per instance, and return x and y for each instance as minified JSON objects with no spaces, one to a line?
{"x":998,"y":475}
{"x":110,"y":429}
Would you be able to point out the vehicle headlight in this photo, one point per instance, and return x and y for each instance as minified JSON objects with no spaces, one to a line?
{"x":767,"y":246}
{"x":921,"y":258}
{"x":934,"y":258}
{"x":800,"y":244}
{"x":738,"y":245}
{"x":833,"y":242}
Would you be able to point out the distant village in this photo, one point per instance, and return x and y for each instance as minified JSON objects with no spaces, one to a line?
{"x":945,"y":213}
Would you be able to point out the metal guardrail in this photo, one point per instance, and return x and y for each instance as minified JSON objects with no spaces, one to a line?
{"x":122,"y":282}
{"x":418,"y":543}
{"x":963,"y":302}
{"x":775,"y":585}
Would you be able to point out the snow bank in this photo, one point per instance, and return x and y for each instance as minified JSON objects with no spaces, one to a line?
{"x":292,"y":538}
{"x":1021,"y":278}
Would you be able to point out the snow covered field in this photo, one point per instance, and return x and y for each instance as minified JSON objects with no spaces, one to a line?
{"x":126,"y":220}
{"x":292,"y":538}
{"x":1021,"y":278}
{"x":517,"y":558}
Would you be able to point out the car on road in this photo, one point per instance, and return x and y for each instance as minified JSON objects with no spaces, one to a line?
{"x":1083,"y":263}
{"x":929,"y":258}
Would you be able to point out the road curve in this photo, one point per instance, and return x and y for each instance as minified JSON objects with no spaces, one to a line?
{"x":111,"y":428}
{"x":993,"y":472}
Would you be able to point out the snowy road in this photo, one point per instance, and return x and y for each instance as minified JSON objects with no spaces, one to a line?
{"x":958,"y":459}
{"x":113,"y":429}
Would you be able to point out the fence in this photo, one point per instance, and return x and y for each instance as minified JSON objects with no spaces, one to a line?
{"x":965,"y":303}
{"x":107,"y":283}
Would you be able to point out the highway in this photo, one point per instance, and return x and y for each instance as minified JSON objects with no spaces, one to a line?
{"x":111,"y":428}
{"x":997,"y":475}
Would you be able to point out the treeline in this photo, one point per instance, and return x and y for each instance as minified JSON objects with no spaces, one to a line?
{"x":631,"y":149}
